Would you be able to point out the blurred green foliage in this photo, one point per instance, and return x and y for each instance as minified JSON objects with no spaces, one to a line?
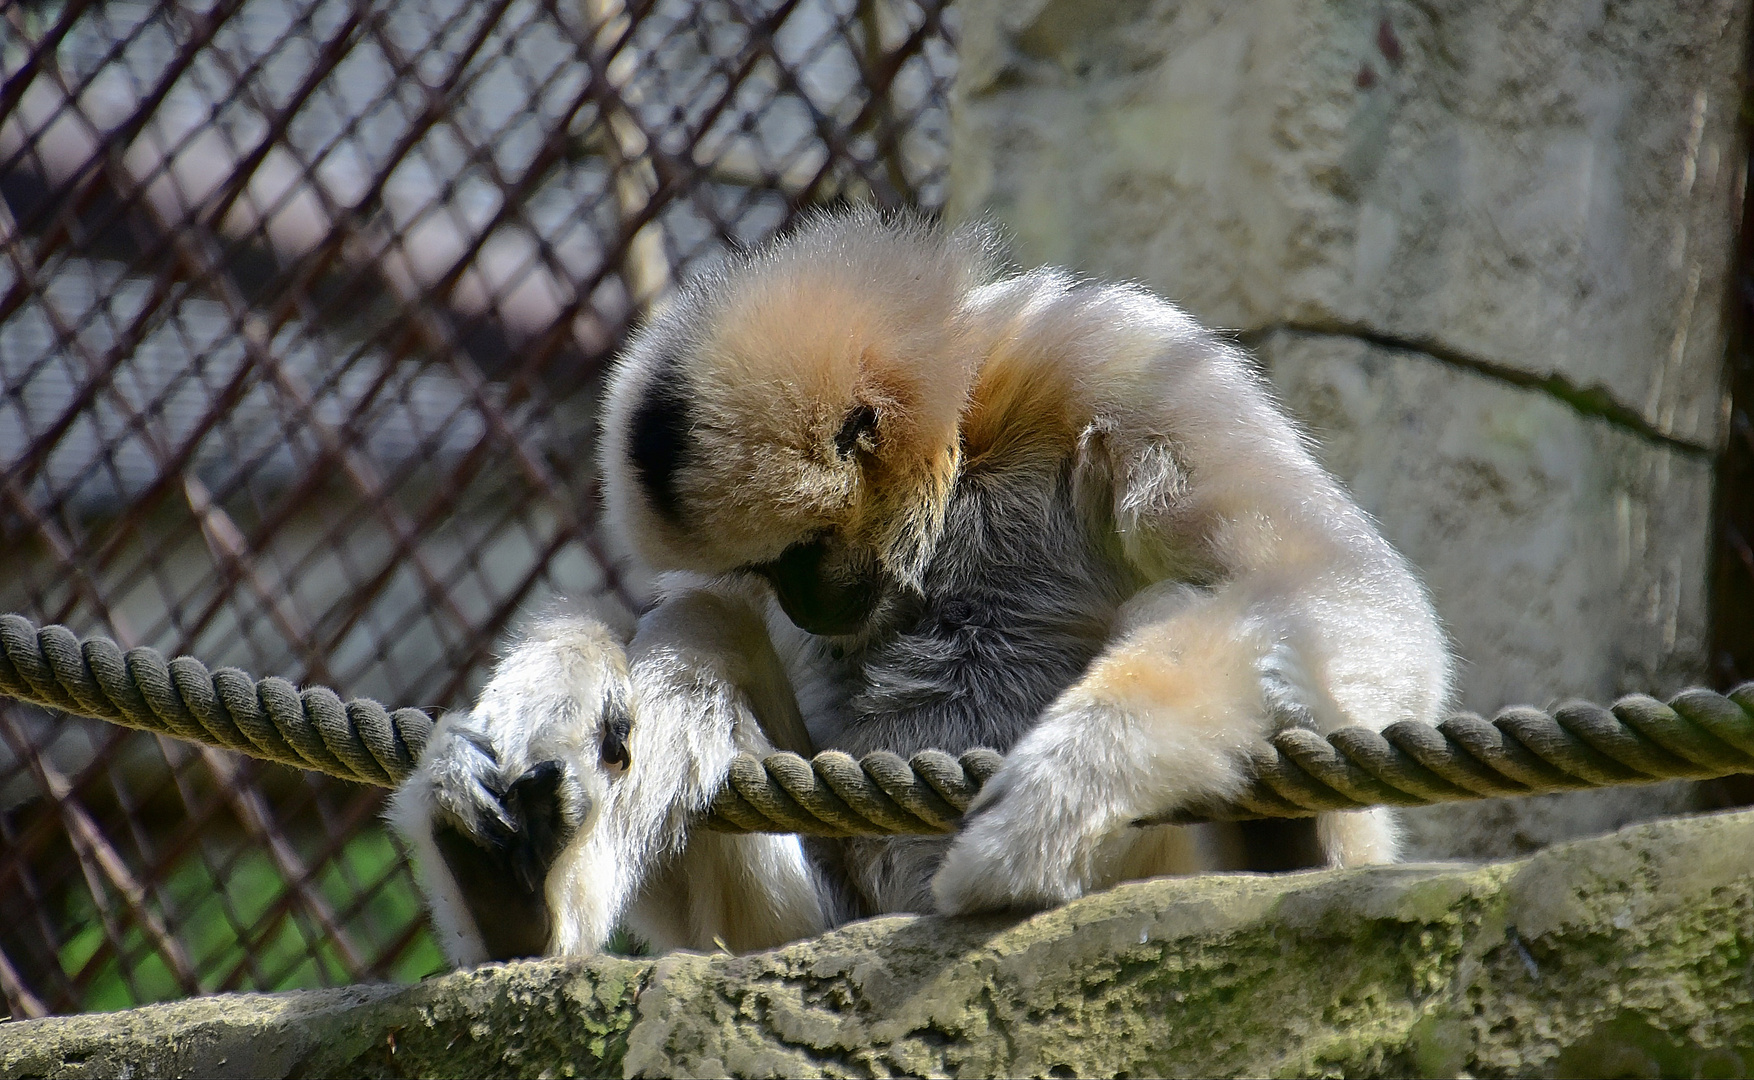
{"x":243,"y":930}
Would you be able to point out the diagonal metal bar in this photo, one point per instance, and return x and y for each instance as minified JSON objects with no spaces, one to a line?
{"x":104,"y":865}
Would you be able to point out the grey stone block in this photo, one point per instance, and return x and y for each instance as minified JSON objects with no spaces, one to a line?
{"x":1547,"y":188}
{"x":1620,"y":956}
{"x":1567,"y":556}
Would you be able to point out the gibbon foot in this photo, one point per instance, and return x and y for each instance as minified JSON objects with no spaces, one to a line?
{"x":504,"y":789}
{"x":1016,"y":854}
{"x":501,"y":864}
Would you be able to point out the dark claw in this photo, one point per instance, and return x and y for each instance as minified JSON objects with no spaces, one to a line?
{"x":501,"y":870}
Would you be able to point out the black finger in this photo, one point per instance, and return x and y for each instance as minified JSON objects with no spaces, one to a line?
{"x":534,"y":801}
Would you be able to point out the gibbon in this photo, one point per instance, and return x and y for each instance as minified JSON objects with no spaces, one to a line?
{"x":897,"y":496}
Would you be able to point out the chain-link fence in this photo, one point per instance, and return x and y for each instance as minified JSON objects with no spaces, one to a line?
{"x":302,"y":311}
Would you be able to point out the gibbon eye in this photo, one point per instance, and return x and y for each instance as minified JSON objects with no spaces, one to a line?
{"x":615,"y":755}
{"x":859,"y":431}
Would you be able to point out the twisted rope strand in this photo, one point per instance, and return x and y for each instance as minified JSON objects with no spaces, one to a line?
{"x":1521,"y":751}
{"x":271,"y":719}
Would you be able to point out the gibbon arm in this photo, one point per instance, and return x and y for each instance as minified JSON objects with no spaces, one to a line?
{"x":707,"y":686}
{"x":503,"y":787}
{"x":1298,"y":614}
{"x":559,"y":807}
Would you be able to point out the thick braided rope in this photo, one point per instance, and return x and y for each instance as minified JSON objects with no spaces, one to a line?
{"x":270,"y":718}
{"x":1522,"y":751}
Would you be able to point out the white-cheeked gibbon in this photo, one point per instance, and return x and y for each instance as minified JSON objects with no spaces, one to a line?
{"x":898,"y":496}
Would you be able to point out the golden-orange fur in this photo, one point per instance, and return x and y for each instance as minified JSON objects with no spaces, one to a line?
{"x":900,"y":497}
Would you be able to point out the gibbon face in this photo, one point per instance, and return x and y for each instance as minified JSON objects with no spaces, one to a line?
{"x":796,"y":415}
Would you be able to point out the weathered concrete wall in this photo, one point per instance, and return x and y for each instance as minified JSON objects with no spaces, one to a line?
{"x":1483,"y":248}
{"x":1629,"y":955}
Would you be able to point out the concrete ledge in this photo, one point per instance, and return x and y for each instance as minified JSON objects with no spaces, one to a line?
{"x":1631,"y":954}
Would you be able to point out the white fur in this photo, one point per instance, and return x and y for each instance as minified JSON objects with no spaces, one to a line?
{"x":540,"y":705}
{"x":1226,"y":585}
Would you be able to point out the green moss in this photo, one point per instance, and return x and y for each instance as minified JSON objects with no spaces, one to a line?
{"x":1629,"y":952}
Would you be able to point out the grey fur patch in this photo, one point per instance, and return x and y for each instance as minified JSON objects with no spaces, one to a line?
{"x":1020,"y":594}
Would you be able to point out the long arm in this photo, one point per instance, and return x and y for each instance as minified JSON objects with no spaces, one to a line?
{"x":707,"y":686}
{"x":560,"y":806}
{"x":1277,"y":604}
{"x":502,"y":788}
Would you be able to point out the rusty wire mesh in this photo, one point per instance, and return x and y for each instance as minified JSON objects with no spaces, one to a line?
{"x":303,"y":305}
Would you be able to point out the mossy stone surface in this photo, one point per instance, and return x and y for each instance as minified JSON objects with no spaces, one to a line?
{"x":1631,"y":954}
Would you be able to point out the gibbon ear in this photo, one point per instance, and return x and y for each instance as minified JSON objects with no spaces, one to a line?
{"x":858,"y":432}
{"x":658,"y":440}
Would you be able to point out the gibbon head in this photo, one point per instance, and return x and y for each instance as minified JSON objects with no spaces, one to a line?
{"x":795,"y":414}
